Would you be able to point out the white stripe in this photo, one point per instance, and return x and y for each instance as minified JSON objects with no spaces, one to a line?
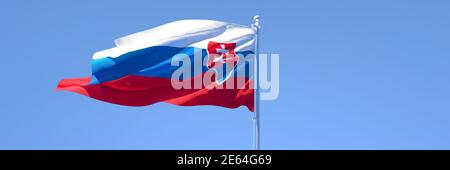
{"x":183,"y":33}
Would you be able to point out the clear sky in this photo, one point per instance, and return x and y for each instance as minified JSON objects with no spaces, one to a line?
{"x":354,"y":75}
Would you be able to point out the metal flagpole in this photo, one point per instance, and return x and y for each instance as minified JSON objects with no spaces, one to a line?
{"x":256,"y":136}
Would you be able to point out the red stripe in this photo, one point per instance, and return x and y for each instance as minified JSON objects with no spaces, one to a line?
{"x":135,"y":90}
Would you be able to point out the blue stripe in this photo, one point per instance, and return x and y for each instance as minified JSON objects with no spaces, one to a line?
{"x":107,"y":69}
{"x":152,"y":61}
{"x":165,"y":69}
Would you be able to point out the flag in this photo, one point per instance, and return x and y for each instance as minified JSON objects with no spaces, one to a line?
{"x":140,"y":70}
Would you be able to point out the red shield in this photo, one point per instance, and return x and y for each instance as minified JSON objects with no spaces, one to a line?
{"x":221,"y":53}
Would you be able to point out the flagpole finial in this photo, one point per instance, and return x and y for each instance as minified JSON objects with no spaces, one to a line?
{"x":256,"y":25}
{"x":256,"y":17}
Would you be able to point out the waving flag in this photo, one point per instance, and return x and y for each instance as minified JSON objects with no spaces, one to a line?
{"x":139,"y":70}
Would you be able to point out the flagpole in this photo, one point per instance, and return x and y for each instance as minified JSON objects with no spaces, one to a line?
{"x":256,"y":127}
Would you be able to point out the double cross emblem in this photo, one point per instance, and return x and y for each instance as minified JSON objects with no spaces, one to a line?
{"x":221,"y":55}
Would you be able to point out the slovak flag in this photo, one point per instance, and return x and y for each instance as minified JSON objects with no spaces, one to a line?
{"x":140,"y":70}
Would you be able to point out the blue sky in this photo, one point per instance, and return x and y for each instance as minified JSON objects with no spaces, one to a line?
{"x":354,"y":75}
